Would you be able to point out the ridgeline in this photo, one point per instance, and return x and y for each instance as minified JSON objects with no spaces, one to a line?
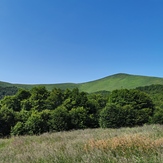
{"x":109,"y":83}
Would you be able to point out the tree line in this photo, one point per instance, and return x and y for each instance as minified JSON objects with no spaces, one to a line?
{"x":38,"y":110}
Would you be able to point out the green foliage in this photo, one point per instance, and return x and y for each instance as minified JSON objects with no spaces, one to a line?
{"x":111,"y":117}
{"x":152,"y":89}
{"x":38,"y":98}
{"x":22,"y":94}
{"x":7,"y":120}
{"x":23,"y":115}
{"x":14,"y":102}
{"x":78,"y":117}
{"x":34,"y":124}
{"x":18,"y":129}
{"x":26,"y":104}
{"x":7,"y":91}
{"x":11,"y":102}
{"x":75,"y":99}
{"x":158,"y":116}
{"x":126,"y":108}
{"x":155,"y":92}
{"x":38,"y":110}
{"x":114,"y":116}
{"x":137,"y":99}
{"x":60,"y":119}
{"x":95,"y":104}
{"x":45,"y":116}
{"x":55,"y":99}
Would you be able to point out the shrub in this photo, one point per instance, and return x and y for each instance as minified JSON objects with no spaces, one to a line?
{"x":60,"y":119}
{"x":78,"y":118}
{"x":110,"y":117}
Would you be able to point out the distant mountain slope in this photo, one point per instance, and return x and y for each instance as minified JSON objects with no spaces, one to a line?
{"x":109,"y":83}
{"x":49,"y":86}
{"x":5,"y":84}
{"x":119,"y":81}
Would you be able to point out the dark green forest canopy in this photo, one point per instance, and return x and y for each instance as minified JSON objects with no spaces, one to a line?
{"x":152,"y":89}
{"x":39,"y":110}
{"x":155,"y":92}
{"x":7,"y":91}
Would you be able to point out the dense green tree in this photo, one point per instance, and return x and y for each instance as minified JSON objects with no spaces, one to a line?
{"x":37,"y":110}
{"x":78,"y":98}
{"x":127,"y":108}
{"x":95,"y":104}
{"x":7,"y":91}
{"x":60,"y":119}
{"x":7,"y":120}
{"x":45,"y":116}
{"x":78,"y":117}
{"x":158,"y":116}
{"x":111,"y":117}
{"x":55,"y":99}
{"x":26,"y":104}
{"x":18,"y":129}
{"x":22,"y":94}
{"x":38,"y":98}
{"x":23,"y":115}
{"x":34,"y":124}
{"x":11,"y":102}
{"x":135,"y":98}
{"x":155,"y":92}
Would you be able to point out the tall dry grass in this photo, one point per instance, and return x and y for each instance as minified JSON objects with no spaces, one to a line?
{"x":125,"y":145}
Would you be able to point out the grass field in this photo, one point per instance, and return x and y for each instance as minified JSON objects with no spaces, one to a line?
{"x":125,"y":145}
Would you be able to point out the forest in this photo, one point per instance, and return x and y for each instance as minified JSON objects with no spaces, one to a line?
{"x":36,"y":111}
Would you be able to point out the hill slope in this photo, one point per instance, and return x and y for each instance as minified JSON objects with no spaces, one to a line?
{"x":119,"y":81}
{"x":109,"y":83}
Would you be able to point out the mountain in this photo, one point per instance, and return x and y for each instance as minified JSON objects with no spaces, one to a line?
{"x":119,"y":81}
{"x":109,"y":83}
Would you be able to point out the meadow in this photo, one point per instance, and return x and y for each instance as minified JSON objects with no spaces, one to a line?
{"x":124,"y":145}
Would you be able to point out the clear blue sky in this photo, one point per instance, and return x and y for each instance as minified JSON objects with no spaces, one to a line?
{"x":58,"y":41}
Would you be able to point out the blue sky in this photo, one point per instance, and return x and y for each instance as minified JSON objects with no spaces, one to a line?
{"x":58,"y":41}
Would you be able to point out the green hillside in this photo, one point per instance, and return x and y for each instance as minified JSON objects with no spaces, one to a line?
{"x":109,"y":83}
{"x":119,"y":81}
{"x":49,"y":86}
{"x":5,"y":84}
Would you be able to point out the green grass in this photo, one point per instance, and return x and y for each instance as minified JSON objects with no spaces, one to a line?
{"x":125,"y":145}
{"x":119,"y":81}
{"x":109,"y":83}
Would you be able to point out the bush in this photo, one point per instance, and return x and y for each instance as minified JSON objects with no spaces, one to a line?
{"x":34,"y":124}
{"x":78,"y":118}
{"x":158,"y":116}
{"x":110,"y":117}
{"x":114,"y":116}
{"x":7,"y":120}
{"x":60,"y":119}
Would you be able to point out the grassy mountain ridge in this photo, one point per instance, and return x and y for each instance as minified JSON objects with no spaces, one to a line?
{"x":119,"y":81}
{"x":109,"y":83}
{"x":5,"y":84}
